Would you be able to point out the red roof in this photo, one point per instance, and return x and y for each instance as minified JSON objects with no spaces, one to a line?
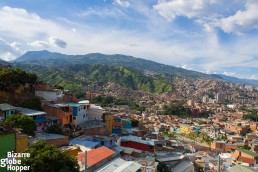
{"x":95,"y":155}
{"x":246,"y":160}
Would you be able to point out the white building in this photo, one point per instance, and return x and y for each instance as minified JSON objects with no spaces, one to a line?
{"x":80,"y":114}
{"x":95,"y":112}
{"x":52,"y":95}
{"x":233,"y":106}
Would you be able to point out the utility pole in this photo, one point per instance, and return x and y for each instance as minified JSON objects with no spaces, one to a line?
{"x":218,"y":166}
{"x":85,"y":156}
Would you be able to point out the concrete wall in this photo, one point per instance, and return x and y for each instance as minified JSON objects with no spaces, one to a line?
{"x":53,"y":95}
{"x":58,"y":142}
{"x":95,"y":113}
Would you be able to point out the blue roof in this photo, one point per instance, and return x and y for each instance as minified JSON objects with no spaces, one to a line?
{"x":66,"y":104}
{"x":74,"y":104}
{"x":88,"y":144}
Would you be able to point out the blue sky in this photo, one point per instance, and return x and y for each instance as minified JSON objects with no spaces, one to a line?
{"x":211,"y":36}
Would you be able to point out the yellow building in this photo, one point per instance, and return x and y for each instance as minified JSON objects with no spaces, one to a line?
{"x":70,"y":150}
{"x":184,"y":128}
{"x":109,"y":122}
{"x":22,"y":142}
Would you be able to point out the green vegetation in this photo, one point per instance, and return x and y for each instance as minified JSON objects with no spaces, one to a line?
{"x":22,"y":121}
{"x":205,"y":138}
{"x":74,"y":77}
{"x":162,"y":167}
{"x":46,"y":158}
{"x":33,"y":103}
{"x":10,"y":79}
{"x":134,"y":122}
{"x":246,"y":147}
{"x":107,"y":101}
{"x":252,"y":115}
{"x":202,"y":122}
{"x":223,"y":137}
{"x":46,"y":58}
{"x":55,"y":129}
{"x":192,"y":135}
{"x":199,"y":137}
{"x":177,"y":108}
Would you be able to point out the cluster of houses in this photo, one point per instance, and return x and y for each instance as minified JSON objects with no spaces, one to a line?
{"x":106,"y":141}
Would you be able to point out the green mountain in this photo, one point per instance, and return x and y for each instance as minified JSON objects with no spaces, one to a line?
{"x":56,"y":59}
{"x":73,"y":77}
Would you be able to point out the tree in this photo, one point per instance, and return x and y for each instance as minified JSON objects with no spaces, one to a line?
{"x":134,"y":122}
{"x":22,"y":121}
{"x":46,"y":158}
{"x":246,"y":147}
{"x":55,"y":129}
{"x":162,"y":167}
{"x":33,"y":103}
{"x":252,"y":115}
{"x":10,"y":79}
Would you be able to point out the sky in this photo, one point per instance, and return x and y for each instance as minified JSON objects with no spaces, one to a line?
{"x":210,"y":36}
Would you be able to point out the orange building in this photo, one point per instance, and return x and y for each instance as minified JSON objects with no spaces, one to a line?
{"x":254,"y":126}
{"x":61,"y":111}
{"x":218,"y":145}
{"x":95,"y":158}
{"x":237,"y":128}
{"x":245,"y":156}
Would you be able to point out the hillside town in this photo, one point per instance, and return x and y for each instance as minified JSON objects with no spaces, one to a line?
{"x":201,"y":126}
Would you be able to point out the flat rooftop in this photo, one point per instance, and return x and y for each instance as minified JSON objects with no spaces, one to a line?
{"x":30,"y":112}
{"x":46,"y":136}
{"x":138,"y":140}
{"x":5,"y":107}
{"x":120,"y":165}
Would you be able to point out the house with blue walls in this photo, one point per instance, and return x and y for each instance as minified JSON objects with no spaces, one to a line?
{"x":107,"y":141}
{"x":79,"y":113}
{"x":38,"y":116}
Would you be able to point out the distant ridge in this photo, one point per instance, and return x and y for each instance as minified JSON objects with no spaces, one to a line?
{"x":54,"y":59}
{"x":238,"y":80}
{"x":39,"y":55}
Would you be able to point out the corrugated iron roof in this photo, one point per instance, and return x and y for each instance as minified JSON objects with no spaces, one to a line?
{"x":86,"y":143}
{"x":5,"y":107}
{"x":95,"y":155}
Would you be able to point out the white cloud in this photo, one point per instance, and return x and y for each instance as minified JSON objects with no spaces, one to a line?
{"x":122,"y":3}
{"x":242,"y":20}
{"x":57,"y":42}
{"x":8,"y":51}
{"x":103,"y":12}
{"x":185,"y":66}
{"x":230,"y":74}
{"x":167,"y":44}
{"x":170,"y":9}
{"x":39,"y":44}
